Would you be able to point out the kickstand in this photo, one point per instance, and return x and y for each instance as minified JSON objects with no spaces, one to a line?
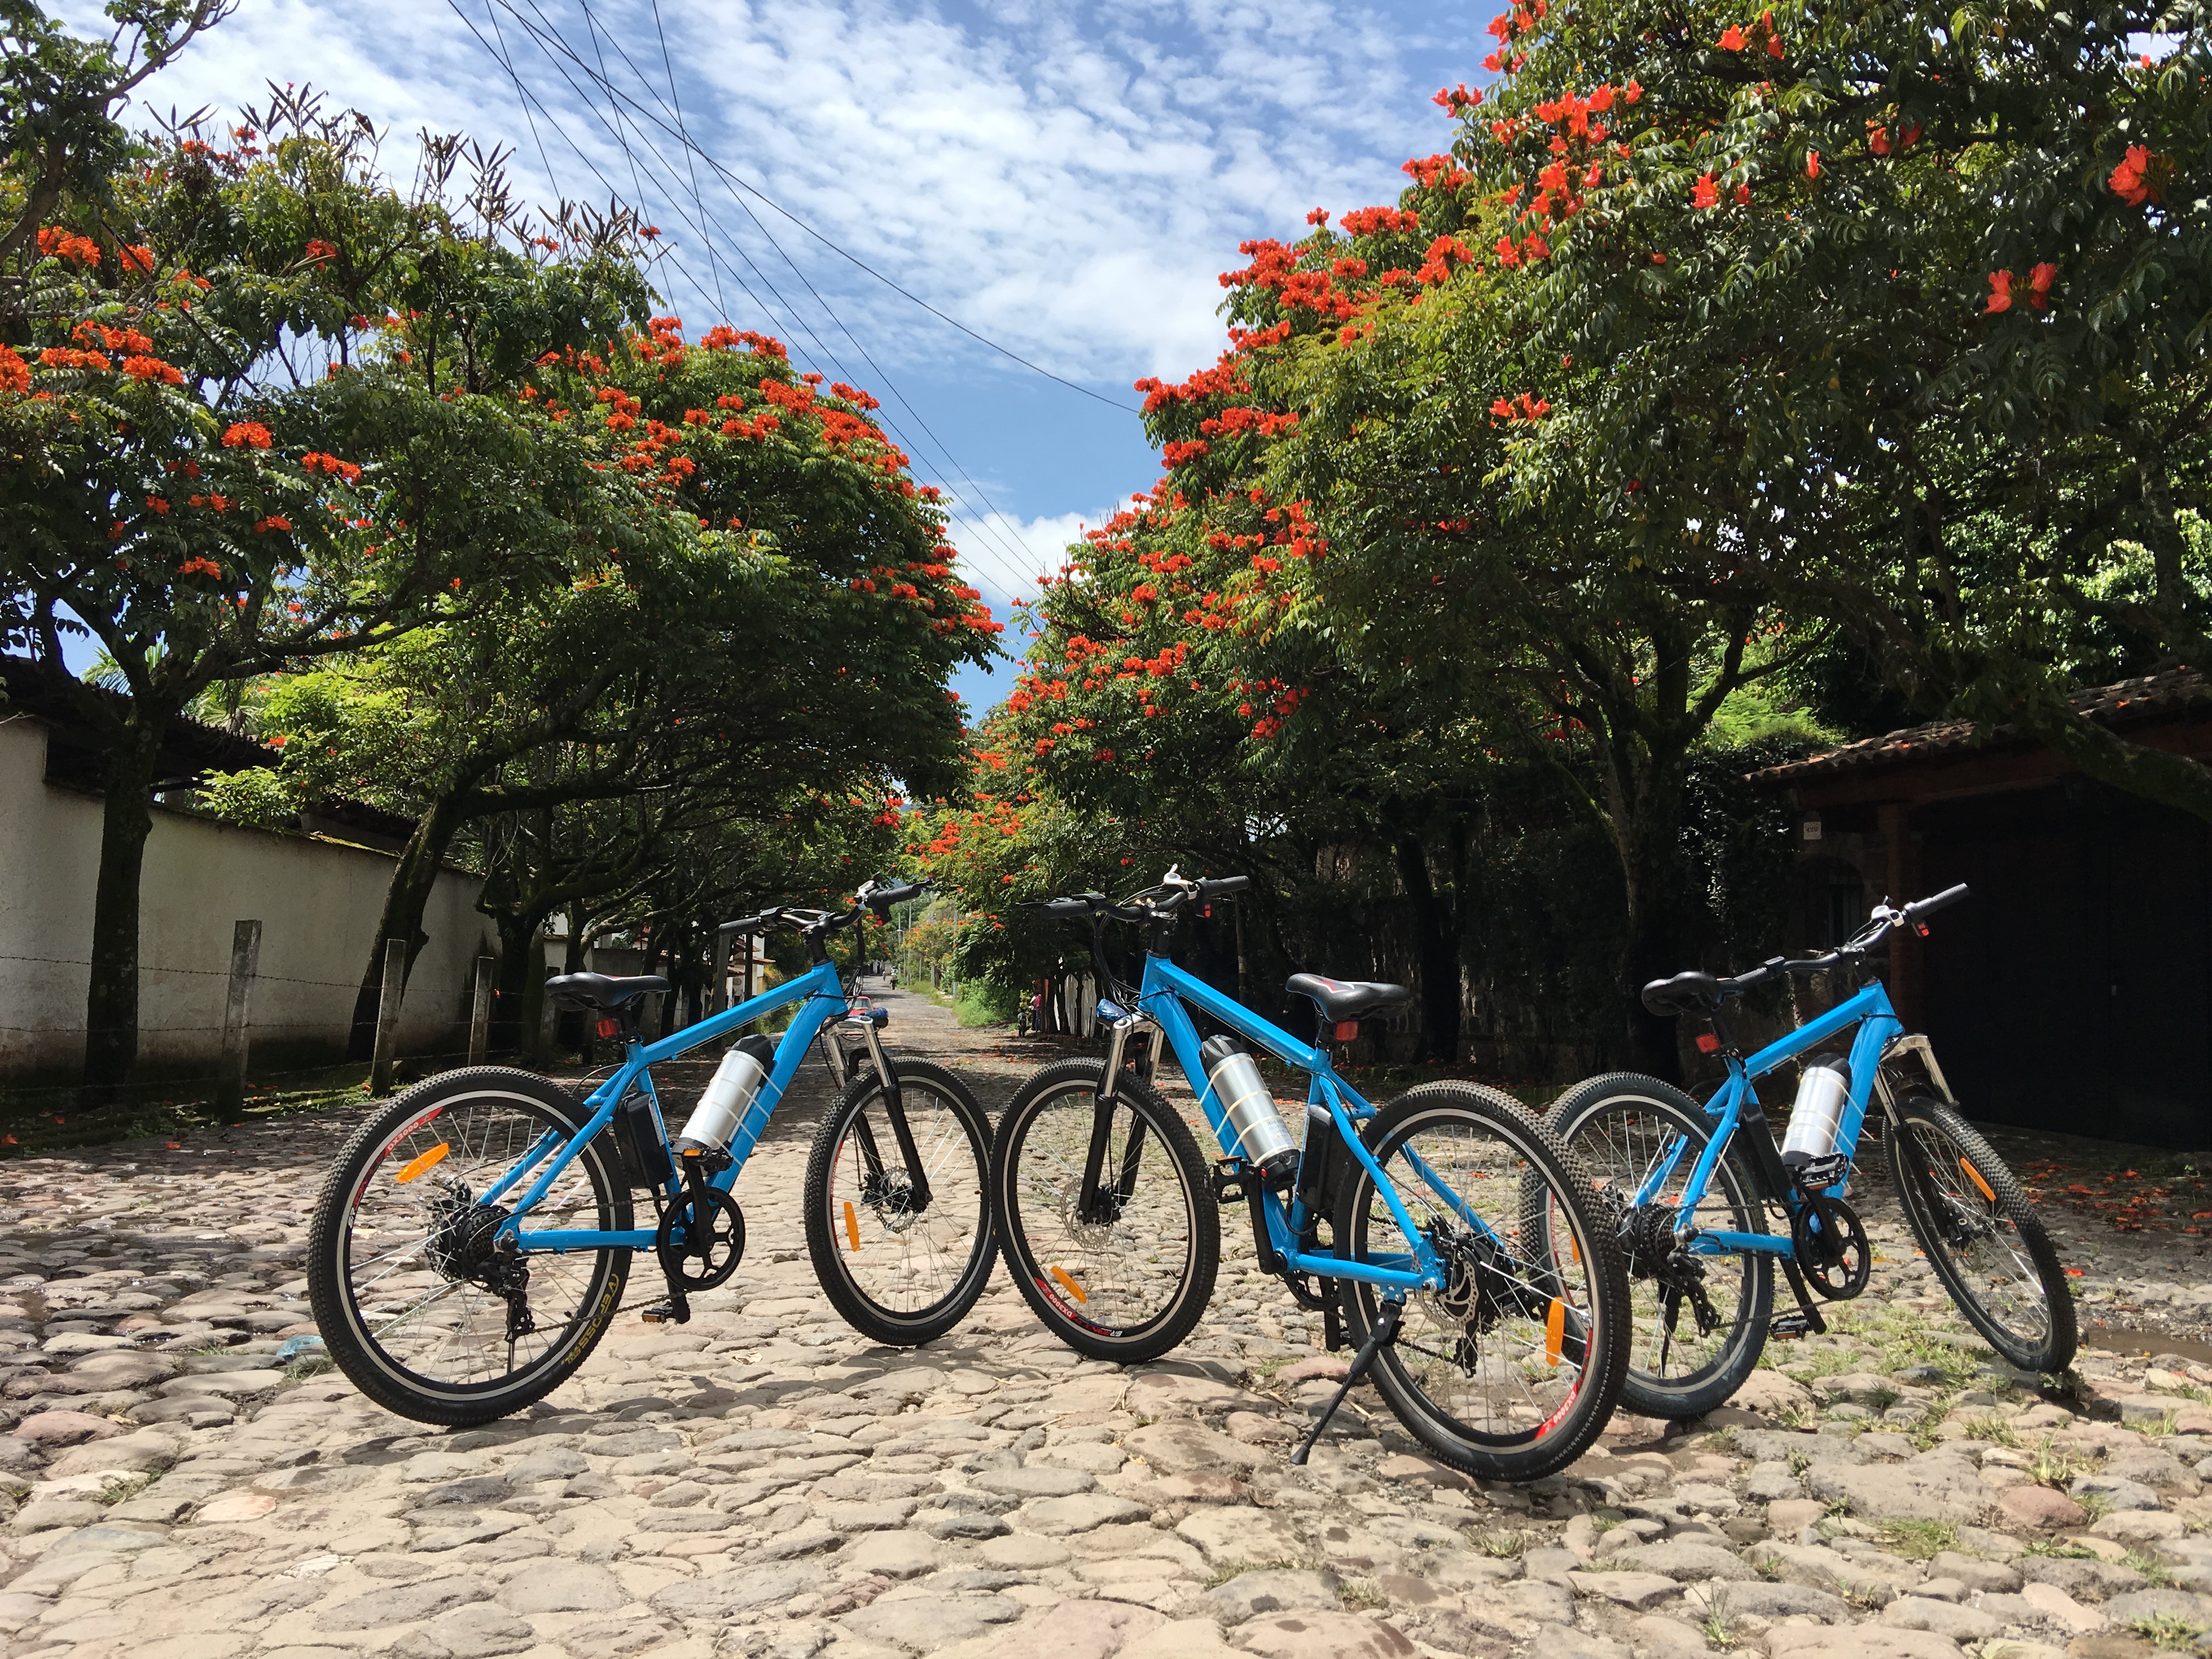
{"x":1385,"y":1332}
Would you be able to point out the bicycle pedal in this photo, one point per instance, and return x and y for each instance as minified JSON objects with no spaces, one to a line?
{"x":1822,"y":1173}
{"x":1228,"y":1181}
{"x":666,"y":1313}
{"x":1787,"y":1325}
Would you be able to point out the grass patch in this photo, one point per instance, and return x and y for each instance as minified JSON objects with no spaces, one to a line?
{"x":2062,"y":1549}
{"x":2165,"y":1425}
{"x":1357,"y":1594}
{"x":1994,"y":1429}
{"x":1229,"y":1570}
{"x":2154,"y":1572}
{"x":121,"y":1492}
{"x":1919,"y":1540}
{"x":312,"y":1363}
{"x":2167,"y":1630}
{"x":1715,"y":1626}
{"x":1502,"y":1546}
{"x":2050,"y":1467}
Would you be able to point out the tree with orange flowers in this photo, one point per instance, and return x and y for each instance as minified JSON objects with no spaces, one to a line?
{"x":231,"y":445}
{"x":1910,"y":299}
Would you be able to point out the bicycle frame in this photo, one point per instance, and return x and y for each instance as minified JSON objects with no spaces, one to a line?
{"x":821,"y":996}
{"x":1878,"y":1026}
{"x":1166,"y":988}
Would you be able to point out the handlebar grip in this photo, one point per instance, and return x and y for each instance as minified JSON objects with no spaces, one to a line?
{"x":1223,"y":886}
{"x":1937,"y":902}
{"x":1062,"y":906}
{"x":748,"y":924}
{"x":884,"y":897}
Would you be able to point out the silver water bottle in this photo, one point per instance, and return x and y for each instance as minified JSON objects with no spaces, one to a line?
{"x":1262,"y":1137}
{"x":1822,"y":1089}
{"x":728,"y":1095}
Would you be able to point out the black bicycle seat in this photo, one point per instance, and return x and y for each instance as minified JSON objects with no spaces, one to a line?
{"x":1342,"y":1000}
{"x":600,"y":990}
{"x":1691,"y":992}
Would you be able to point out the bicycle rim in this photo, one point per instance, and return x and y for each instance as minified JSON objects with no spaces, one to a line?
{"x":1123,"y":1270}
{"x":1499,"y":1359}
{"x":1973,"y":1224}
{"x":907,"y":1264}
{"x":417,"y":1282}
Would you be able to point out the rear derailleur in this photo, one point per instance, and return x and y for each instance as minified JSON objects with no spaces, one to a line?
{"x":465,"y":1247}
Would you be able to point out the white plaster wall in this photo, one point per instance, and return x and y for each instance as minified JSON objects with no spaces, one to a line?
{"x":318,"y":901}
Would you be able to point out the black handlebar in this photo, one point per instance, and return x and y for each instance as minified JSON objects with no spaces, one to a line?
{"x":878,"y":899}
{"x":1695,"y":991}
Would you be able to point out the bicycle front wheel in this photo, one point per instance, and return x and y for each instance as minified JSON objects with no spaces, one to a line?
{"x":902,"y":1261}
{"x":1700,"y":1321}
{"x":1511,"y":1368}
{"x":1983,"y":1238}
{"x":1109,"y":1227}
{"x":415,"y":1302}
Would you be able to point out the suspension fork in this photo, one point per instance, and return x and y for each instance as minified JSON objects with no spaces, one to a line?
{"x":1094,"y":1206}
{"x":894,"y":1109}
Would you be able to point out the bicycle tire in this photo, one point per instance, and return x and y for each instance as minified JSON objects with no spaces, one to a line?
{"x":1059,"y":1298}
{"x":1577,"y":1118}
{"x":351,"y":1334}
{"x":834,"y":1224}
{"x":1542,"y":1440}
{"x":1993,"y":1202}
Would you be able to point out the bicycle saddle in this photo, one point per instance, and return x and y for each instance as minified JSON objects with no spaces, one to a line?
{"x":1342,"y":1000}
{"x":1691,"y":992}
{"x":598,"y":990}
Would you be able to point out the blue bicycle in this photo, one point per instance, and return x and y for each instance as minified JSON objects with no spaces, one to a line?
{"x":474,"y":1238}
{"x":1447,"y":1235}
{"x":1691,"y":1188}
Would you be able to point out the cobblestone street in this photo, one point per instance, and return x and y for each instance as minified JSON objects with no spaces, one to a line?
{"x":764,"y":1482}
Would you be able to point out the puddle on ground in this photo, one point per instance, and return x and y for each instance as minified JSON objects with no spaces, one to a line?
{"x":2127,"y":1339}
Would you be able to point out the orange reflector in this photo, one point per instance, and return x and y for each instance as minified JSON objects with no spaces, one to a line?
{"x":852,"y":1224}
{"x":425,"y":1162}
{"x":1975,"y":1176}
{"x":1575,"y":1249}
{"x":1068,"y":1285}
{"x":1555,"y":1331}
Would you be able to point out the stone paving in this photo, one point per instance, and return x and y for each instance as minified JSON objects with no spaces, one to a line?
{"x":765,"y":1482}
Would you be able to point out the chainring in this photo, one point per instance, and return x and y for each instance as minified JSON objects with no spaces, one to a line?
{"x":710,"y":1249}
{"x":1836,"y":1259}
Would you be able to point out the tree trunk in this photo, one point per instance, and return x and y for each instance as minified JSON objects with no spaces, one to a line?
{"x":516,"y":935}
{"x":1437,"y":940}
{"x":413,"y":879}
{"x":128,"y":762}
{"x":1661,"y":934}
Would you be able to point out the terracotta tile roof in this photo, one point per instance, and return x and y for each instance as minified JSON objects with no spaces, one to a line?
{"x":2123,"y":702}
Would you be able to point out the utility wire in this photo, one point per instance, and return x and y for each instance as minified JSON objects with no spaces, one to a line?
{"x":1008,"y":551}
{"x":1010,"y":554}
{"x":1022,"y":578}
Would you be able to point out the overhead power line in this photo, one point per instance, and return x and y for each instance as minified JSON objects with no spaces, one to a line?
{"x":1014,"y":558}
{"x":1015,"y":568}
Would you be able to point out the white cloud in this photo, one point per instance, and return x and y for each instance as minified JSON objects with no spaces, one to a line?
{"x":1068,"y":180}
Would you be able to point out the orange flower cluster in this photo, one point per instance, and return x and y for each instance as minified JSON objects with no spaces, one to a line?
{"x":246,"y":434}
{"x":315,"y":462}
{"x":56,"y":243}
{"x":14,"y":373}
{"x":2135,"y":180}
{"x":2039,"y":279}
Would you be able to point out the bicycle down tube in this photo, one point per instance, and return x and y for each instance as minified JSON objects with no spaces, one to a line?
{"x":822,"y":996}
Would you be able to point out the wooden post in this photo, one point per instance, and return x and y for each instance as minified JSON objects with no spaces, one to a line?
{"x":245,"y":963}
{"x":480,"y":1012}
{"x":387,"y":1016}
{"x":1903,"y":877}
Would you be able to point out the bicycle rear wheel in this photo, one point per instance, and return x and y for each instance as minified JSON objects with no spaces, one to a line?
{"x":901,"y":1269}
{"x":1982,"y":1235}
{"x":1510,"y":1371}
{"x":1685,"y":1358}
{"x":413,"y":1302}
{"x":1105,"y":1217}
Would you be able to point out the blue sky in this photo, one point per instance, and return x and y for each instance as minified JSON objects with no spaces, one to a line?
{"x":1066,"y":180}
